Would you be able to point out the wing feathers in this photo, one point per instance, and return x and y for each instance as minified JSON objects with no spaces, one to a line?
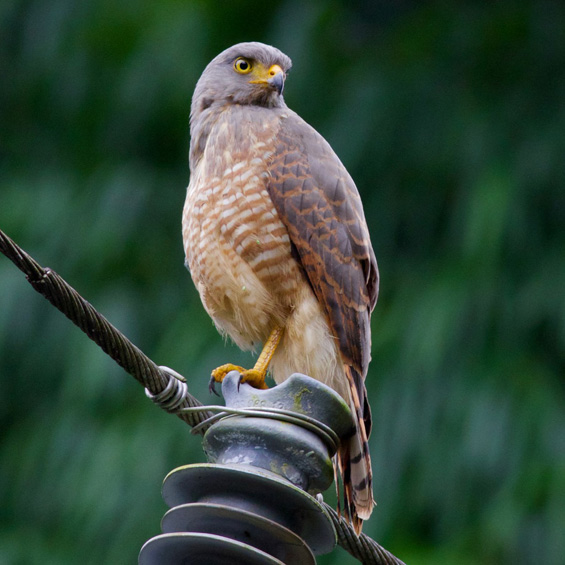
{"x":319,"y":204}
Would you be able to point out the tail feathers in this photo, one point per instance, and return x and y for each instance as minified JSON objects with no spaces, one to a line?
{"x":354,"y":461}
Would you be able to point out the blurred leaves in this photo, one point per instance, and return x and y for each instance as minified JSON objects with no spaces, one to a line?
{"x":449,"y":117}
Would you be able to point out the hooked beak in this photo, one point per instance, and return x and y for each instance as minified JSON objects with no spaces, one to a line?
{"x":274,"y":77}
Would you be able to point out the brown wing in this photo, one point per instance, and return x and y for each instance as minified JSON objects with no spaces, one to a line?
{"x":319,"y":204}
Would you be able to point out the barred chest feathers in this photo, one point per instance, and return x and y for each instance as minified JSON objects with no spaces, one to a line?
{"x":237,"y":249}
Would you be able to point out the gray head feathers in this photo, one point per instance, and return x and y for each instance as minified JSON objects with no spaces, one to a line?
{"x":221,"y":84}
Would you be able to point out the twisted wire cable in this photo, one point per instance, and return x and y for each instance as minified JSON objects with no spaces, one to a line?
{"x":362,"y":547}
{"x":113,"y":342}
{"x":163,"y":385}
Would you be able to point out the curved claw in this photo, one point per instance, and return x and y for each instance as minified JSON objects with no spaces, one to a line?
{"x":212,"y":386}
{"x":252,"y":377}
{"x":219,"y":373}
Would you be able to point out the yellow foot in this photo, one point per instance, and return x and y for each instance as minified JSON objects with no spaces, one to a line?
{"x":250,"y":376}
{"x":220,"y":372}
{"x":254,"y":378}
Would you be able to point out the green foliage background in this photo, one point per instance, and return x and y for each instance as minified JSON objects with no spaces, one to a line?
{"x":450,"y":117}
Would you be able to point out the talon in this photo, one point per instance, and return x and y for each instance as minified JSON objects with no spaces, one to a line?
{"x":212,"y":386}
{"x":254,"y":378}
{"x":219,"y":373}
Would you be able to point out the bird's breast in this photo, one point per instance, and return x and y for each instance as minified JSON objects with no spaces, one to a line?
{"x":237,"y":248}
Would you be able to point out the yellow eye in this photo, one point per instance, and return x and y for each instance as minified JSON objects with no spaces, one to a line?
{"x":242,"y":65}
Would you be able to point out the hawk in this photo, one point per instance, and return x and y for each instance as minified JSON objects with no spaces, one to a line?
{"x":277,"y":243}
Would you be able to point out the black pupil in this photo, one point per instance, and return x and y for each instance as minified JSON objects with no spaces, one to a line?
{"x":243,"y":65}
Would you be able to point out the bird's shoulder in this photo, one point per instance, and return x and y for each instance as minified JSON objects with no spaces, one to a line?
{"x":298,"y":141}
{"x":317,"y":198}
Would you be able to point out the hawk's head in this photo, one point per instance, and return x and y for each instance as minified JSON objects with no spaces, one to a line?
{"x":246,"y":73}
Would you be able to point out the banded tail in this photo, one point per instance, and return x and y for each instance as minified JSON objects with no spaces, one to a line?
{"x":354,"y":460}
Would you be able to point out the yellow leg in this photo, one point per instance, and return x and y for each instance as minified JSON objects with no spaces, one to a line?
{"x":256,"y":376}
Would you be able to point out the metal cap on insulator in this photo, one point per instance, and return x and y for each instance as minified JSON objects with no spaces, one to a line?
{"x":253,"y":503}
